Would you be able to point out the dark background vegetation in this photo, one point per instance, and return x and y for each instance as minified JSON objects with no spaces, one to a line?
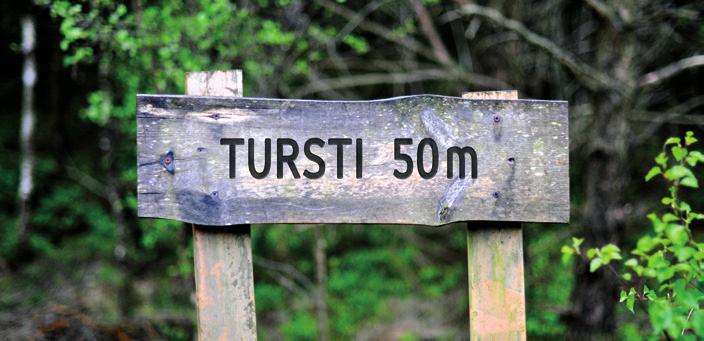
{"x":84,"y":266}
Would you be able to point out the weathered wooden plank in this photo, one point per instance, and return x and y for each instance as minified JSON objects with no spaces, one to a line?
{"x":215,"y":83}
{"x":497,"y":309}
{"x":224,"y":283}
{"x":521,"y":147}
{"x":222,"y":256}
{"x":495,"y":270}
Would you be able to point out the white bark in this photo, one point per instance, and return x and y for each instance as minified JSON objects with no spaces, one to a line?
{"x":29,"y":78}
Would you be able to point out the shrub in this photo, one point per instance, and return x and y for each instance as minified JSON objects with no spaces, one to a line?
{"x":665,"y":272}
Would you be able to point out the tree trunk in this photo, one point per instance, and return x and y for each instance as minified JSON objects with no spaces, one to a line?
{"x":606,"y":177}
{"x":29,"y":78}
{"x":595,"y":294}
{"x":321,"y":276}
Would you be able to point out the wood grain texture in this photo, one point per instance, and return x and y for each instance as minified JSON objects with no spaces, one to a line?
{"x":223,"y":255}
{"x":215,"y":83}
{"x":495,"y":270}
{"x":497,"y":309}
{"x":224,"y":283}
{"x":522,"y":149}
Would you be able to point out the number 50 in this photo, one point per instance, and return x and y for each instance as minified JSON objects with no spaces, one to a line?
{"x":422,"y":171}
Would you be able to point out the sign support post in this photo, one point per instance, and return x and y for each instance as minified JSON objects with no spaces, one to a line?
{"x":222,"y":254}
{"x":497,"y":308}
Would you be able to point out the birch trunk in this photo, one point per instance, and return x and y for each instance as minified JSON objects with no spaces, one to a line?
{"x":29,"y":78}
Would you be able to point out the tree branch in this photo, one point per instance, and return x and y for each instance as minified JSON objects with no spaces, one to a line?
{"x":452,"y":70}
{"x":426,"y":26}
{"x":296,"y":276}
{"x":658,"y":76}
{"x":675,"y":115}
{"x":588,"y":76}
{"x":378,"y":30}
{"x":605,"y":11}
{"x":352,"y":81}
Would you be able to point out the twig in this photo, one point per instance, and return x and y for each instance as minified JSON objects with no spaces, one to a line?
{"x":352,"y":81}
{"x":663,"y":117}
{"x":284,"y":268}
{"x":379,"y":30}
{"x":409,"y":43}
{"x":428,"y":29}
{"x":606,"y":12}
{"x":675,"y":115}
{"x":589,"y":76}
{"x":85,"y":180}
{"x":361,"y":15}
{"x":658,"y":76}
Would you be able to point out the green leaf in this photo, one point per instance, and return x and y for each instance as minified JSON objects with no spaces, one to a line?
{"x":678,"y":172}
{"x":610,"y":252}
{"x":660,"y":315}
{"x":647,"y":243}
{"x":678,"y":234}
{"x":271,"y":34}
{"x":576,"y":242}
{"x":672,"y":140}
{"x":684,"y":206}
{"x":684,"y":253}
{"x":682,"y":267}
{"x":595,"y":264}
{"x":669,"y":217}
{"x":684,"y":296}
{"x":653,"y":172}
{"x":591,"y":253}
{"x":567,"y":250}
{"x":610,"y":248}
{"x":665,"y":274}
{"x":658,"y":224}
{"x":698,"y":322}
{"x":666,"y":201}
{"x":689,"y":181}
{"x":631,"y":300}
{"x":689,"y":138}
{"x":631,"y":262}
{"x":358,"y":44}
{"x":567,"y":253}
{"x":679,"y":153}
{"x":661,"y":159}
{"x":694,"y":157}
{"x":657,"y":261}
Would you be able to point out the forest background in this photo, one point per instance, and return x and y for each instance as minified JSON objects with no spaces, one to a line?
{"x":75,"y":262}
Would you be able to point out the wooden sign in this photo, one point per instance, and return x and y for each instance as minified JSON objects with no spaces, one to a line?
{"x":408,"y":160}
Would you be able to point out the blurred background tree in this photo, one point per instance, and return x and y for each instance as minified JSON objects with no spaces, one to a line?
{"x":76,"y":262}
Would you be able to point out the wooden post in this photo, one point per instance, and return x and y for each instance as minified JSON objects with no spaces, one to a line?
{"x":222,"y":254}
{"x":497,"y":309}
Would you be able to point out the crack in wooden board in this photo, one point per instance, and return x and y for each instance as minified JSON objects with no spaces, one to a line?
{"x":534,"y":187}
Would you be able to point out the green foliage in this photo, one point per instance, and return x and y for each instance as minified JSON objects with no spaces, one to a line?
{"x":358,"y":44}
{"x":369,"y":270}
{"x":666,"y":271}
{"x":548,"y":284}
{"x":302,"y":326}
